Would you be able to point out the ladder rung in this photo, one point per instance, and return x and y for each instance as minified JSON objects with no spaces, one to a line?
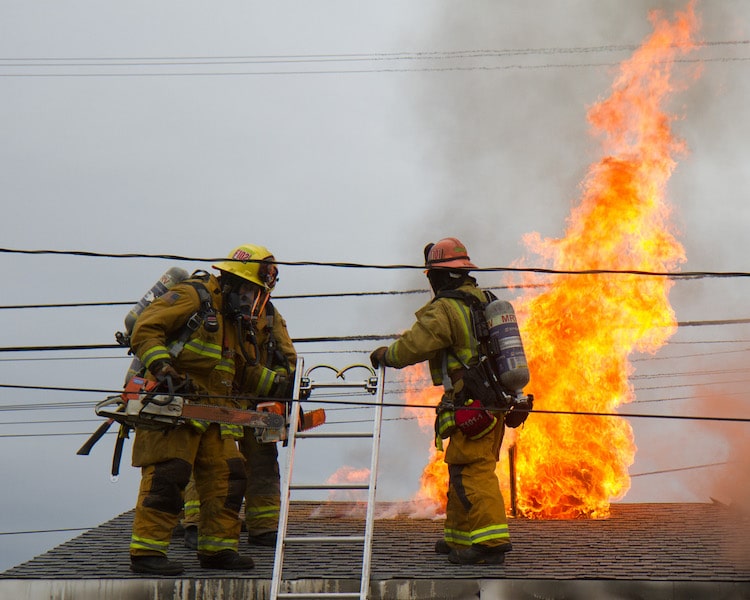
{"x":334,"y":434}
{"x":316,"y":539}
{"x":320,"y":595}
{"x":340,"y":384}
{"x":330,"y":486}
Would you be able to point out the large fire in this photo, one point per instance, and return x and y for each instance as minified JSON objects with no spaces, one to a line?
{"x":579,"y":333}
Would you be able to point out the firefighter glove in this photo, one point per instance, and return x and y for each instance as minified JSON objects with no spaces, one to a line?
{"x":519,"y":413}
{"x":163,"y":369}
{"x":377,"y":357}
{"x":281,"y":387}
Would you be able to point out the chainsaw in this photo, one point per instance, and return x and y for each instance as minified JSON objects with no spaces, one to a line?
{"x":147,"y":404}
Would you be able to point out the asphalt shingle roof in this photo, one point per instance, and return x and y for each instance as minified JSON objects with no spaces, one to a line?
{"x":642,"y":551}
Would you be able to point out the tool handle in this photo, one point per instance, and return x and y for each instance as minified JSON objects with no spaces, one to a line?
{"x":95,"y":437}
{"x":117,"y":456}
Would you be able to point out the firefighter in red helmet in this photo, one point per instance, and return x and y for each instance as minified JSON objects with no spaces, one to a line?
{"x":476,"y":528}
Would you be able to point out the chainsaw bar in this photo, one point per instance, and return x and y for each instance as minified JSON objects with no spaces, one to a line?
{"x":232,"y":416}
{"x":173,"y":410}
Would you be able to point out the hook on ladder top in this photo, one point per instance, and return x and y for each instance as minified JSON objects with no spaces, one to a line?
{"x":311,"y":369}
{"x":355,"y":366}
{"x":370,"y":384}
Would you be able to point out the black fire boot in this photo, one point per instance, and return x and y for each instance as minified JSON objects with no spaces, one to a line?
{"x":478,"y":554}
{"x":155,"y":565}
{"x":227,"y":560}
{"x":442,"y":547}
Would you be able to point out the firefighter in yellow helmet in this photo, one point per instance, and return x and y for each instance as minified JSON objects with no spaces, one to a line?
{"x":476,"y":528}
{"x":268,"y":372}
{"x":213,"y":355}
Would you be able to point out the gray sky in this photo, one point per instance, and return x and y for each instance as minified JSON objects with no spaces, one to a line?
{"x":335,"y":131}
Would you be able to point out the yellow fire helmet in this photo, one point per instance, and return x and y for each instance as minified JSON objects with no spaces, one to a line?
{"x":262,"y":271}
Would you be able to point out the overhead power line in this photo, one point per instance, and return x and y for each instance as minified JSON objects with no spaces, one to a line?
{"x":348,"y":57}
{"x":329,"y":57}
{"x":320,"y":339}
{"x":334,"y":402}
{"x":676,"y":469}
{"x":353,"y":265}
{"x":45,"y":531}
{"x":320,"y":64}
{"x":661,"y":472}
{"x":275,"y":297}
{"x":302,"y":340}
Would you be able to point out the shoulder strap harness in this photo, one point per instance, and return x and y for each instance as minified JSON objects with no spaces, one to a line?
{"x":205,"y":315}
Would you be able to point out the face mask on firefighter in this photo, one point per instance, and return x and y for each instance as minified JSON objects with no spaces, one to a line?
{"x":251,"y":300}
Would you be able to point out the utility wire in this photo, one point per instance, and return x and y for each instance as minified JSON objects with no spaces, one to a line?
{"x":50,"y":421}
{"x":303,"y":58}
{"x":367,"y":351}
{"x":341,"y":338}
{"x":128,"y":357}
{"x":45,"y":530}
{"x":361,"y":56}
{"x":30,"y":435}
{"x":304,"y":340}
{"x":394,"y":388}
{"x":432,"y":407}
{"x":279,"y":297}
{"x":674,"y":470}
{"x":321,"y":71}
{"x":352,"y":265}
{"x":660,"y":472}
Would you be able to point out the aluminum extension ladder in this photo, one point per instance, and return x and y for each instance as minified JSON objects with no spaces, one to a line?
{"x":303,"y":386}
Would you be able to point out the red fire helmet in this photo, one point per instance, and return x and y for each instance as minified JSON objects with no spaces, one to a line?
{"x":449,"y":252}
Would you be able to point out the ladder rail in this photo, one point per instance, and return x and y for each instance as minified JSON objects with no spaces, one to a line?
{"x":370,"y":517}
{"x":301,"y":382}
{"x":278,"y":558}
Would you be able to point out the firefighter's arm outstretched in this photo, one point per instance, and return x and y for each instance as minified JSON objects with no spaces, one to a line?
{"x":431,"y":333}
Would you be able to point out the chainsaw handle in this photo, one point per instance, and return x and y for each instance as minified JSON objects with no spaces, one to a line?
{"x":117,"y":455}
{"x":171,"y":389}
{"x":95,"y":437}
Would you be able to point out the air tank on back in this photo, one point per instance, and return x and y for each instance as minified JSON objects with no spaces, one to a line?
{"x":166,"y":281}
{"x":170,"y":278}
{"x":507,"y":347}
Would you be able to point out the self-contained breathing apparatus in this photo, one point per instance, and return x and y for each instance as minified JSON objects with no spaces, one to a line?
{"x":495,"y":382}
{"x":161,"y":404}
{"x":205,"y":316}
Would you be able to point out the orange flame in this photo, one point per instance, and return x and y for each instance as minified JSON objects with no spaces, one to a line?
{"x":579,"y":334}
